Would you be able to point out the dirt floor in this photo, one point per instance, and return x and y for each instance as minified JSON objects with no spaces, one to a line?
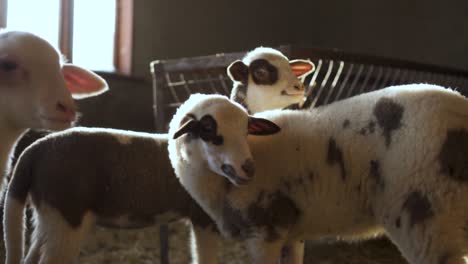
{"x":142,"y":247}
{"x":107,"y":246}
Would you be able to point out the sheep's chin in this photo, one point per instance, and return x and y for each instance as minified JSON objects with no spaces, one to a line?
{"x":236,"y":180}
{"x":292,"y":94}
{"x":55,"y":123}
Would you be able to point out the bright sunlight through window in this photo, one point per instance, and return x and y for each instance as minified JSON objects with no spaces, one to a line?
{"x":93,"y":27}
{"x":93,"y":34}
{"x":39,"y":17}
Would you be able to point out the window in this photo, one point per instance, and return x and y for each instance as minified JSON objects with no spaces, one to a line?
{"x":93,"y":34}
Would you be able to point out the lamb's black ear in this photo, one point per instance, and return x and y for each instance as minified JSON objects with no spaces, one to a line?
{"x":238,"y":71}
{"x":189,"y":126}
{"x":262,"y":127}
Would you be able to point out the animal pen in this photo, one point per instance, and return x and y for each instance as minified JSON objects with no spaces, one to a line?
{"x":338,"y":75}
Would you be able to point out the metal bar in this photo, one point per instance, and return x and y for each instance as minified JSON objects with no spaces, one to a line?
{"x":356,"y":78}
{"x":335,"y":80}
{"x":377,"y":78}
{"x":312,"y":80}
{"x":324,"y":82}
{"x":171,"y":88}
{"x":212,"y":85}
{"x":343,"y":84}
{"x":223,"y":83}
{"x":403,"y":76}
{"x":386,"y":78}
{"x":366,"y":79}
{"x":186,"y":87}
{"x":395,"y":76}
{"x":164,"y":247}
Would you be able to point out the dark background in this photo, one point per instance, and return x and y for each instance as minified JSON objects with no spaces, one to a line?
{"x":427,"y":31}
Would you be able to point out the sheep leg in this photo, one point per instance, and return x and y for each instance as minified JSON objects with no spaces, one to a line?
{"x":293,"y":253}
{"x":205,"y":244}
{"x":34,"y":252}
{"x":264,"y":252}
{"x":62,"y":242}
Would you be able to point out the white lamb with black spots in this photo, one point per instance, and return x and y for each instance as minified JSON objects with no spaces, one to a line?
{"x":265,"y":79}
{"x":87,"y":176}
{"x":36,"y":89}
{"x":392,"y":161}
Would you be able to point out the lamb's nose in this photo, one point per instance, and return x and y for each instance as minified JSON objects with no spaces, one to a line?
{"x":249,"y":168}
{"x":69,"y":113}
{"x":299,"y":87}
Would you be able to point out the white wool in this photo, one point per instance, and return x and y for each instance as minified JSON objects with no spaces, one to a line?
{"x":349,"y":170}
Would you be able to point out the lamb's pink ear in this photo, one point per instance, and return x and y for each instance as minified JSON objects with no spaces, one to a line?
{"x":81,"y":82}
{"x":301,"y":68}
{"x":262,"y":127}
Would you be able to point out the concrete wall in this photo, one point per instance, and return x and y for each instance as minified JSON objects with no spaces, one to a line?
{"x":426,"y":31}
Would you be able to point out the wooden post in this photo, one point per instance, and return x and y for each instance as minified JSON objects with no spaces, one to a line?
{"x":123,"y":47}
{"x":66,"y":29}
{"x":3,"y":13}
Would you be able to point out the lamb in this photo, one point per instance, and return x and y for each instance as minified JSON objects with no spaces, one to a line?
{"x":390,"y":161}
{"x":36,"y":89}
{"x":131,"y":173}
{"x":265,"y":79}
{"x":83,"y":176}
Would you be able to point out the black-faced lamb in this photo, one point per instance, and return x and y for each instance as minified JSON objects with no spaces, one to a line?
{"x":265,"y":79}
{"x":36,"y":89}
{"x":119,"y":179}
{"x":392,"y":161}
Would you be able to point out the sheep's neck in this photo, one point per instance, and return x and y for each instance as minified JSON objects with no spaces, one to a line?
{"x":208,"y":192}
{"x":8,"y":137}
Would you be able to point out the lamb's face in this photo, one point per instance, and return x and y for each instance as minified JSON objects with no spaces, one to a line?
{"x":36,"y":87}
{"x":271,"y":80}
{"x":219,"y":130}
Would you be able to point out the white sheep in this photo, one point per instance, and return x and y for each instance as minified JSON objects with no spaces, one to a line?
{"x":36,"y":89}
{"x":392,"y":161}
{"x":129,"y":171}
{"x":265,"y":79}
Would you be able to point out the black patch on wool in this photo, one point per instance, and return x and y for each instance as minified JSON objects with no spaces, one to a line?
{"x":280,"y":211}
{"x":269,"y":211}
{"x":453,"y":156}
{"x":234,"y":223}
{"x":369,"y":129}
{"x":398,"y":222}
{"x":346,"y":123}
{"x":389,"y":115}
{"x":418,"y":207}
{"x":335,"y":155}
{"x":375,"y":173}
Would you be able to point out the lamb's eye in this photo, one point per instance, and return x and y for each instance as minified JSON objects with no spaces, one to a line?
{"x":208,"y":125}
{"x":262,"y":74}
{"x":8,"y":65}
